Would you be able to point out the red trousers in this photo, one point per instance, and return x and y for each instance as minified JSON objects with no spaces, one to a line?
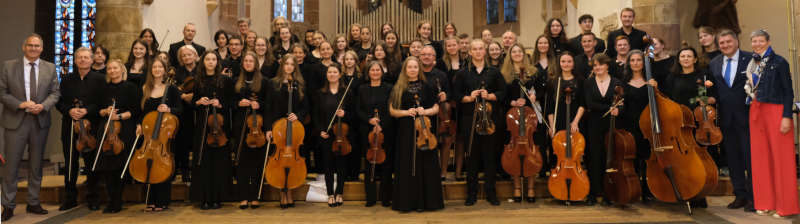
{"x":773,"y":160}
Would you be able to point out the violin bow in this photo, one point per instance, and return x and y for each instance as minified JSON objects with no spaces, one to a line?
{"x":535,"y":109}
{"x":71,"y":140}
{"x":344,"y":96}
{"x":105,"y":131}
{"x":266,"y":157}
{"x":616,"y":104}
{"x":133,"y":148}
{"x":241,"y":137}
{"x":555,"y":117}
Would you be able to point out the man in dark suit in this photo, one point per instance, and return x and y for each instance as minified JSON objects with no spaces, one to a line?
{"x":188,"y":39}
{"x":626,"y":16}
{"x":729,"y":74}
{"x":26,"y":119}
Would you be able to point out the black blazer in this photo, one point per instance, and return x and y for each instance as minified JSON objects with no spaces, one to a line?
{"x":732,"y":107}
{"x":173,"y":51}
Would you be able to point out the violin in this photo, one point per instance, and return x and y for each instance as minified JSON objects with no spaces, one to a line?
{"x":112,"y":142}
{"x":568,"y":181}
{"x":708,"y":133}
{"x":445,"y":130}
{"x":375,"y":153}
{"x":484,"y":125}
{"x":341,"y":143}
{"x":286,"y":169}
{"x":216,"y":136}
{"x":153,"y":162}
{"x":424,"y":139}
{"x":86,"y":141}
{"x":520,"y":157}
{"x":678,"y":169}
{"x":621,"y":183}
{"x":256,"y":137}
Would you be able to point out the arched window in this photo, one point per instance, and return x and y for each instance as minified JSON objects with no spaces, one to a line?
{"x":68,"y":15}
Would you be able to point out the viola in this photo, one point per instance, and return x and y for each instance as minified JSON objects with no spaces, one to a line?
{"x":216,"y":136}
{"x":86,"y":141}
{"x":520,"y":157}
{"x":568,"y":181}
{"x":707,"y":132}
{"x":678,"y":169}
{"x":286,"y":169}
{"x":621,"y":183}
{"x":375,"y":154}
{"x":153,"y":162}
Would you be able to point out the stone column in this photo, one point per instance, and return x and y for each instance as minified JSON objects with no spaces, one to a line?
{"x":659,"y":18}
{"x":118,"y":25}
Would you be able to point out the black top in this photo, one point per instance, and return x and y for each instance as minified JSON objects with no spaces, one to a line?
{"x":576,"y":48}
{"x":576,"y":84}
{"x":181,"y":73}
{"x":636,"y":99}
{"x":173,"y":102}
{"x":136,"y":78}
{"x":216,"y":87}
{"x":661,"y":69}
{"x":173,"y":51}
{"x":426,"y":94}
{"x":233,"y":64}
{"x":438,"y":79}
{"x":325,"y":108}
{"x":362,"y":52}
{"x":127,"y":95}
{"x":682,"y":87}
{"x":278,"y":104}
{"x":269,"y":70}
{"x":469,"y":80}
{"x":101,"y":71}
{"x":371,"y":98}
{"x":557,"y":46}
{"x":596,"y":103}
{"x":86,"y":90}
{"x":314,"y":74}
{"x":635,"y":38}
{"x":582,"y":66}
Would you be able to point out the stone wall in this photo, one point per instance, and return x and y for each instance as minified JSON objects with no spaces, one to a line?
{"x":118,"y":25}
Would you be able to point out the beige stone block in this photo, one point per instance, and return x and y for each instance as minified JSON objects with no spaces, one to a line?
{"x":644,"y":14}
{"x":670,"y":33}
{"x":115,"y":19}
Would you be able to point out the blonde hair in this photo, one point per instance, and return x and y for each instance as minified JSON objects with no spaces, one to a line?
{"x":121,"y":67}
{"x":277,"y":81}
{"x":510,"y":71}
{"x":356,"y":69}
{"x":255,"y":86}
{"x":402,"y":82}
{"x":184,"y":48}
{"x":149,"y":83}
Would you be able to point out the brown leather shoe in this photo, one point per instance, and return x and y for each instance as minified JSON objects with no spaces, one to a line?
{"x":7,"y":214}
{"x":36,"y":209}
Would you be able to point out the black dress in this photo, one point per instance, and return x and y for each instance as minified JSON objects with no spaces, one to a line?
{"x":109,"y":166}
{"x":212,"y":172}
{"x":422,"y":189}
{"x":596,"y":105}
{"x":576,"y":84}
{"x":355,"y":157}
{"x":251,"y":160}
{"x":661,"y":69}
{"x":370,"y":99}
{"x":335,"y":162}
{"x":136,"y":78}
{"x":161,"y":193}
{"x":636,"y":99}
{"x":184,"y":139}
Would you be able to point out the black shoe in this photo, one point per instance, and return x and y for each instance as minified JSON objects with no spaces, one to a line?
{"x":517,"y":199}
{"x":420,"y":210}
{"x":470,"y":201}
{"x":749,"y":207}
{"x":291,"y":205}
{"x":244,"y":206}
{"x":606,"y":202}
{"x":369,"y":204}
{"x":591,"y":201}
{"x":699,"y":203}
{"x":68,"y":205}
{"x":460,"y":179}
{"x":738,"y":203}
{"x":531,"y":199}
{"x":111,"y":210}
{"x":216,"y":205}
{"x":493,"y":201}
{"x":7,"y":214}
{"x":94,"y":207}
{"x":285,"y":206}
{"x":386,"y":204}
{"x":36,"y":209}
{"x":254,"y":206}
{"x":205,"y":206}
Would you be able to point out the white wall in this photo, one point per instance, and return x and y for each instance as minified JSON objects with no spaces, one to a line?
{"x":598,"y":9}
{"x":172,"y":15}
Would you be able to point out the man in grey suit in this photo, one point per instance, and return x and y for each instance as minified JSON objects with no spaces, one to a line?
{"x":26,"y":119}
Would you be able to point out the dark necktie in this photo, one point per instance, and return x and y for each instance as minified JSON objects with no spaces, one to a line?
{"x":32,"y":78}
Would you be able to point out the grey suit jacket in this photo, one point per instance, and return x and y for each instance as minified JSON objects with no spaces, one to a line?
{"x":12,"y":92}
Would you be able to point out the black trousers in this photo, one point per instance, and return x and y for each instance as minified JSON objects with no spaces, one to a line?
{"x":70,"y":183}
{"x":736,"y":140}
{"x":114,"y":187}
{"x":248,"y":174}
{"x":160,"y":194}
{"x":334,"y":163}
{"x":483,"y":151}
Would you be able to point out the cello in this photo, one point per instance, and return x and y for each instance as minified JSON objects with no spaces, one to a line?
{"x":520,"y":158}
{"x":375,"y":154}
{"x":620,"y":182}
{"x":286,"y":169}
{"x":678,"y":169}
{"x":153,"y":162}
{"x":568,"y":181}
{"x":707,"y":133}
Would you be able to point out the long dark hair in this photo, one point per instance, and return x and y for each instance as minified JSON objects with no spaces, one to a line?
{"x":153,"y":48}
{"x":326,"y":87}
{"x":562,"y":37}
{"x":677,"y":69}
{"x":628,"y":73}
{"x":147,"y":58}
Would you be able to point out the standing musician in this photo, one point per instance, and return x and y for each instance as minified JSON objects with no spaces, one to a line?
{"x":636,"y":100}
{"x":184,"y":77}
{"x":153,"y":91}
{"x":212,"y":98}
{"x":561,"y":76}
{"x":251,"y":91}
{"x":314,"y":76}
{"x":416,"y":171}
{"x":534,"y":82}
{"x":599,"y":98}
{"x":278,"y":106}
{"x":351,"y":70}
{"x":467,"y":88}
{"x":124,"y":96}
{"x":332,"y":101}
{"x":728,"y":71}
{"x":438,"y":80}
{"x":374,"y":96}
{"x":80,"y":87}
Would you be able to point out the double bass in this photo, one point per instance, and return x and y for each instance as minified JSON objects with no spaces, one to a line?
{"x":620,"y":182}
{"x":568,"y":181}
{"x":286,"y":169}
{"x":707,"y":133}
{"x":678,"y":169}
{"x":520,"y":158}
{"x":375,"y":154}
{"x":153,"y":162}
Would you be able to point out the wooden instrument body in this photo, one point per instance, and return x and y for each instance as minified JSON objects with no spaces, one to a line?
{"x":255,"y":137}
{"x":621,"y":183}
{"x":341,"y":144}
{"x":568,"y":181}
{"x":520,"y":157}
{"x":86,"y":141}
{"x":425,"y":139}
{"x":376,"y":154}
{"x":216,"y":136}
{"x":707,"y":133}
{"x":694,"y":172}
{"x":153,"y":162}
{"x":484,"y":124}
{"x":112,"y":141}
{"x":286,"y":169}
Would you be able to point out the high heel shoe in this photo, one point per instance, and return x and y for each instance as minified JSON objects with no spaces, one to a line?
{"x":530,"y":196}
{"x":518,"y":198}
{"x":331,"y":201}
{"x":243,"y":206}
{"x":339,"y":200}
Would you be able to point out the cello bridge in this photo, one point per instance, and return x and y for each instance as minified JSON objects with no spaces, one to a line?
{"x":662,"y":148}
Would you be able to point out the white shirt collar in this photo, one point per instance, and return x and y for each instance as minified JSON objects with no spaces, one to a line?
{"x":24,"y":59}
{"x":734,"y":58}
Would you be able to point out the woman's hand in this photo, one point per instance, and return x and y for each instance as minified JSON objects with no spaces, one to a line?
{"x":615,"y":112}
{"x":138,"y":129}
{"x":374,"y":121}
{"x":786,"y":125}
{"x":163,"y":108}
{"x":652,"y":82}
{"x":324,"y":135}
{"x":340,"y":113}
{"x":244,"y":103}
{"x":292,"y":117}
{"x":574,"y":127}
